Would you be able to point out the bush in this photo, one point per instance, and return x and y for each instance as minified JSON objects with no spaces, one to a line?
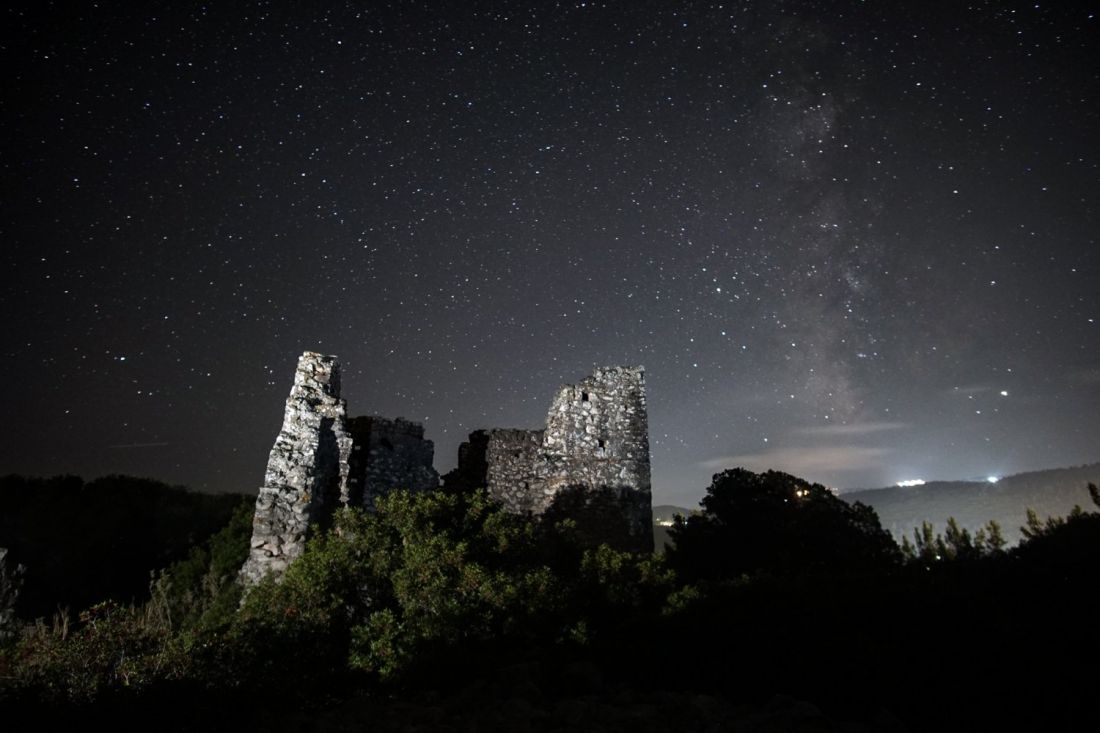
{"x":113,"y":648}
{"x":776,"y":523}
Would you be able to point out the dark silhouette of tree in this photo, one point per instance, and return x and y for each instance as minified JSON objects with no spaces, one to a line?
{"x":86,"y":542}
{"x":1063,"y":541}
{"x":778,"y":523}
{"x":956,"y":543}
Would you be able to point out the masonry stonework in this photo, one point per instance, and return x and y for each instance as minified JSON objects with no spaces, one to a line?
{"x":305,"y":470}
{"x":322,"y":460}
{"x":386,"y":455}
{"x":590,"y":464}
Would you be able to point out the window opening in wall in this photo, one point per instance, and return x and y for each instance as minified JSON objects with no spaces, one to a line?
{"x":601,"y":442}
{"x":584,"y":397}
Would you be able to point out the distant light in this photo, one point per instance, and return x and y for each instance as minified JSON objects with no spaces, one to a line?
{"x":992,"y":479}
{"x":912,"y":482}
{"x":1004,"y":393}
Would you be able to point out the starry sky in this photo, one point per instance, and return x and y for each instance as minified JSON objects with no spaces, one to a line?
{"x":855,"y":241}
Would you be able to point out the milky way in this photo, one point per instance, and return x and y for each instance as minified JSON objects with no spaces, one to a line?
{"x":853,"y":241}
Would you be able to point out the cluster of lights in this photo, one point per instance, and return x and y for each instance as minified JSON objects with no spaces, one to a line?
{"x":920,"y":481}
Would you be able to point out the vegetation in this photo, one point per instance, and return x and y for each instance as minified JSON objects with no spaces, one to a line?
{"x":86,"y":542}
{"x":775,"y":585}
{"x":777,"y":523}
{"x":973,"y":504}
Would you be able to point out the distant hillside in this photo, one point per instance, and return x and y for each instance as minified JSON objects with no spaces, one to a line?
{"x":973,"y":503}
{"x":665,"y":512}
{"x":662,"y":520}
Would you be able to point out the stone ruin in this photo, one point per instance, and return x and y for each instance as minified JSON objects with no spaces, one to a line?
{"x":322,"y":460}
{"x":590,"y":464}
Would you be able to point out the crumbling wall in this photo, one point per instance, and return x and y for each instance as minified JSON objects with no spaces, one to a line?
{"x":321,"y":459}
{"x":515,"y":471}
{"x":305,"y":469}
{"x":597,"y":432}
{"x":591,"y":463}
{"x":386,"y":455}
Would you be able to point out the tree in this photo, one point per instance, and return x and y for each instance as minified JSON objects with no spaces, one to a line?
{"x":424,"y":574}
{"x":956,"y":543}
{"x":778,"y":523}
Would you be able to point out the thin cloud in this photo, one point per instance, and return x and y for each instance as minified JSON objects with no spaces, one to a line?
{"x":970,"y":389}
{"x":804,"y":461}
{"x":1085,"y":377}
{"x":862,"y":428}
{"x":139,"y":445}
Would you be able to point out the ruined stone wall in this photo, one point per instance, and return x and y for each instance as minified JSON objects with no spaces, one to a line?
{"x":591,"y":463}
{"x":599,"y":431}
{"x":305,"y":469}
{"x":515,"y":471}
{"x":321,"y":459}
{"x":386,"y":455}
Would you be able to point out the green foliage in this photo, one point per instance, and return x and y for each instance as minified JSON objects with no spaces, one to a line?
{"x":1035,"y":528}
{"x":439,"y":582}
{"x":202,"y":591}
{"x":1062,"y":537}
{"x":777,"y":523}
{"x":425,"y":571}
{"x":956,"y":543}
{"x":85,"y":542}
{"x":452,"y":570}
{"x":994,"y":541}
{"x":113,"y":648}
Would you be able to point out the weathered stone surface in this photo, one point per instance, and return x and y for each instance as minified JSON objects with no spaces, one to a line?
{"x":321,"y":459}
{"x":591,"y":463}
{"x":387,"y":455}
{"x":306,"y":469}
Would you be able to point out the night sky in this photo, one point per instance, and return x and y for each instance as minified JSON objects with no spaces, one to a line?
{"x":853,"y":241}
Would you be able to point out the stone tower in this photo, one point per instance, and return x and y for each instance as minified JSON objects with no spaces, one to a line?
{"x":305,"y":470}
{"x":590,"y":463}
